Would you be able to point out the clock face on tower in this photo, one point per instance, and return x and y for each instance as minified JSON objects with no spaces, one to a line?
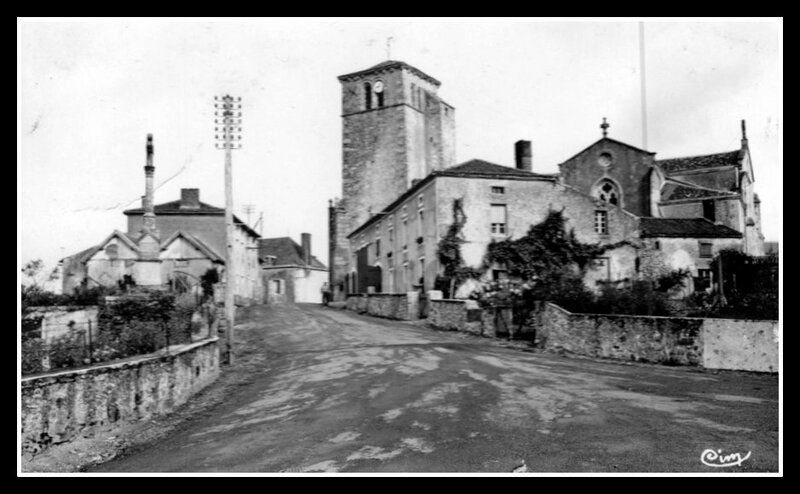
{"x":378,"y":87}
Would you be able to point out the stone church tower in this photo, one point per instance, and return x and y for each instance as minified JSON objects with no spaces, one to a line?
{"x":395,"y":131}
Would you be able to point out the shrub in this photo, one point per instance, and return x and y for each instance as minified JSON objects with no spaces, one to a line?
{"x":33,"y":354}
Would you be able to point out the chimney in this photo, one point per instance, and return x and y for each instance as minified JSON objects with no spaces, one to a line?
{"x":306,"y":241}
{"x":522,"y":155}
{"x":190,"y":198}
{"x":149,"y":219}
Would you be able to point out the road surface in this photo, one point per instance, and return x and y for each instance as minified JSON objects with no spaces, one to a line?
{"x":325,"y":390}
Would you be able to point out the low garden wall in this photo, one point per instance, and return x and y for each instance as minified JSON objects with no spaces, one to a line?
{"x":62,"y":406}
{"x":740,"y":344}
{"x":456,"y":315}
{"x":665,"y":340}
{"x":402,"y":306}
{"x":730,"y":344}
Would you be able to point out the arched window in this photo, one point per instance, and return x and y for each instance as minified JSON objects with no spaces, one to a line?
{"x":379,"y":92}
{"x":367,"y":96}
{"x":606,"y":190}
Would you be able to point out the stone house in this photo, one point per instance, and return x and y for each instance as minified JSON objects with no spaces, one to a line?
{"x":166,"y":245}
{"x":189,"y":218}
{"x":400,"y":243}
{"x":290,"y":273}
{"x":400,"y":179}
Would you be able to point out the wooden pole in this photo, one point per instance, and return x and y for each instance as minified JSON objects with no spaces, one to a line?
{"x":230,"y":276}
{"x":230,"y":138}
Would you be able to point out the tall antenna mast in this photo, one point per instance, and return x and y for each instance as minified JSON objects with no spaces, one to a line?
{"x":644,"y":86}
{"x":228,"y":137}
{"x":389,"y":48}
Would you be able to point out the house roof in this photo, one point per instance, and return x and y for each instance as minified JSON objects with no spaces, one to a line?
{"x":174,"y":208}
{"x":674,"y":190}
{"x":196,"y":242}
{"x":82,"y":256}
{"x":480,"y":168}
{"x":470,"y":169}
{"x":390,"y":64}
{"x":86,"y":254}
{"x":688,"y":163}
{"x":686,"y":228}
{"x":286,"y":251}
{"x":608,"y":139}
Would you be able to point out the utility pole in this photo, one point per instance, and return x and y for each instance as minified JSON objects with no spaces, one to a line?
{"x":228,"y":137}
{"x":248,"y":209}
{"x":260,"y":224}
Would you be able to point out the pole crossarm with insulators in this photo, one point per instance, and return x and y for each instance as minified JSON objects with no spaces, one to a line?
{"x":228,"y":136}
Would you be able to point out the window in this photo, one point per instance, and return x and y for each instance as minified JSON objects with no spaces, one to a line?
{"x":112,"y":251}
{"x":603,"y":268}
{"x":601,"y":222}
{"x":498,"y":219}
{"x":703,"y":280}
{"x":276,"y":287}
{"x":658,"y":245}
{"x":607,"y":191}
{"x":705,"y":249}
{"x":499,"y":274}
{"x":377,"y":247}
{"x":498,"y":190}
{"x":367,"y":96}
{"x":709,"y":211}
{"x":420,"y":216}
{"x":413,"y":94}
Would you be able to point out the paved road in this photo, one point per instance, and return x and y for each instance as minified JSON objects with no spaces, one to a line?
{"x":336,"y":391}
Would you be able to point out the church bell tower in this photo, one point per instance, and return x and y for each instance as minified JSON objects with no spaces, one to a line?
{"x":395,"y":131}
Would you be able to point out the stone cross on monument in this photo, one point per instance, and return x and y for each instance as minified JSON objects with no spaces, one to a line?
{"x":605,"y":125}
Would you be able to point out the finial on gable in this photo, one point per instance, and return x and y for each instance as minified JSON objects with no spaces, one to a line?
{"x":605,"y":125}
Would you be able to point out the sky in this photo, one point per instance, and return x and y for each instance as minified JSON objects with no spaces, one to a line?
{"x":88,"y":93}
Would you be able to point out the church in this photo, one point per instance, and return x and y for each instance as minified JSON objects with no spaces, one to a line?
{"x":400,"y":180}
